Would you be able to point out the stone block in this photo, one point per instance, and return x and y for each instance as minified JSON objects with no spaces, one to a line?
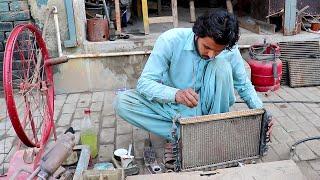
{"x":19,"y":6}
{"x":84,"y":100}
{"x":1,"y":46}
{"x":282,"y":150}
{"x":309,"y":129}
{"x":108,"y":121}
{"x":16,"y":23}
{"x":4,"y":7}
{"x":76,"y":124}
{"x":95,"y":117}
{"x":107,"y":135}
{"x":68,"y":108}
{"x":15,"y":16}
{"x":307,"y":170}
{"x":6,"y":26}
{"x":64,"y":120}
{"x":315,"y":164}
{"x":72,"y":98}
{"x":106,"y":152}
{"x":96,"y":106}
{"x":123,"y":141}
{"x":271,"y":156}
{"x":123,"y":127}
{"x":97,"y":96}
{"x":314,"y":146}
{"x":288,"y":124}
{"x":1,"y":36}
{"x":108,"y":109}
{"x":79,"y":113}
{"x":281,"y":135}
{"x":304,"y":152}
{"x":7,"y":144}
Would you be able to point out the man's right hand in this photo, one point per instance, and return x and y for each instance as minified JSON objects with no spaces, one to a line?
{"x":187,"y":97}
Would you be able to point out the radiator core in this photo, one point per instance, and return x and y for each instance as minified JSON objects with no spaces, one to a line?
{"x":222,"y":138}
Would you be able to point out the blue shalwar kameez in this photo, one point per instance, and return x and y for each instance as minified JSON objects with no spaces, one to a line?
{"x":175,"y":64}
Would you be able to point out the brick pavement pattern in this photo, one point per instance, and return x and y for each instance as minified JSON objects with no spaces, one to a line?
{"x":294,"y":121}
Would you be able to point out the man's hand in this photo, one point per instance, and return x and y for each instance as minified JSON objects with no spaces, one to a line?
{"x":187,"y":97}
{"x":270,"y":126}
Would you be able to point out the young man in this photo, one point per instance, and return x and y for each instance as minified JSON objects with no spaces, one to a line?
{"x":190,"y":72}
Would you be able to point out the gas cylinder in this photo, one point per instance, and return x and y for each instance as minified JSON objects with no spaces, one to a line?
{"x":266,"y":67}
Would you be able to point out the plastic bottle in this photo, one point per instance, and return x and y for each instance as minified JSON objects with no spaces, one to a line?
{"x":88,"y":135}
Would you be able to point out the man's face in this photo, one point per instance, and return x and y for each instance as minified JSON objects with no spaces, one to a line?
{"x":208,"y":48}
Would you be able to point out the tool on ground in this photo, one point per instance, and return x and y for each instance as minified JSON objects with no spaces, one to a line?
{"x":127,"y":159}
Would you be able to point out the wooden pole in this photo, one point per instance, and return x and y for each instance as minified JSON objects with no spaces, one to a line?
{"x":145,"y":16}
{"x":192,"y":11}
{"x":174,"y":7}
{"x":118,"y":16}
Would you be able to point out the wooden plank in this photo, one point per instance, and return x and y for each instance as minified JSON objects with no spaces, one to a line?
{"x":162,"y":19}
{"x":290,"y":9}
{"x":118,"y":16}
{"x":145,"y":16}
{"x":72,"y":41}
{"x":174,"y":6}
{"x":192,"y":11}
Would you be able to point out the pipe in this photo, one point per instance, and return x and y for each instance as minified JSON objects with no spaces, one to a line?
{"x":112,"y":54}
{"x":56,"y":23}
{"x":127,"y":53}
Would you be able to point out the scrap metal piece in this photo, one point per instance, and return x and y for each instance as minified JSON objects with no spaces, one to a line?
{"x":222,"y":139}
{"x":304,"y":72}
{"x":296,"y":50}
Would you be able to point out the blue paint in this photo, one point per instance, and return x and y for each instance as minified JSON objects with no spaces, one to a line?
{"x":42,"y":3}
{"x":72,"y":42}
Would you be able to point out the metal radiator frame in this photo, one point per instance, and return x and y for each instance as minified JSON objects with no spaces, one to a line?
{"x":263,"y":139}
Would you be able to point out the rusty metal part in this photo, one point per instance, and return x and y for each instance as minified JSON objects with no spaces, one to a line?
{"x":54,"y":158}
{"x":315,"y":26}
{"x":97,"y":29}
{"x":55,"y":61}
{"x":296,"y":50}
{"x":304,"y":72}
{"x":220,"y":139}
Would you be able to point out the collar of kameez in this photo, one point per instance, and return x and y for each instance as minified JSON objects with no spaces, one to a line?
{"x":189,"y":46}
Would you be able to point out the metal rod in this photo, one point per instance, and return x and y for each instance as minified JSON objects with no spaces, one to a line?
{"x":106,"y":10}
{"x":113,"y":54}
{"x":56,"y":23}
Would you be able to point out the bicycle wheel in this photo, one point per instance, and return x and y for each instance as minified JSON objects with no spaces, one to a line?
{"x":28,"y":85}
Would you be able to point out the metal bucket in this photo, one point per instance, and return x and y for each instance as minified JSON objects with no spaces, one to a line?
{"x":97,"y":29}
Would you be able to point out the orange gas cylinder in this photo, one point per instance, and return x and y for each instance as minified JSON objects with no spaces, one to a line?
{"x":266,"y":67}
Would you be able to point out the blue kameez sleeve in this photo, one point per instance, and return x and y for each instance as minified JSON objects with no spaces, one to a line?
{"x":150,"y":82}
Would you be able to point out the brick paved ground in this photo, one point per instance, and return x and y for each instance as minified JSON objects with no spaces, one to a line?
{"x":294,"y":121}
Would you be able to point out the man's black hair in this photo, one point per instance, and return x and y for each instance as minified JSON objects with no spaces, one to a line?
{"x":219,"y":25}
